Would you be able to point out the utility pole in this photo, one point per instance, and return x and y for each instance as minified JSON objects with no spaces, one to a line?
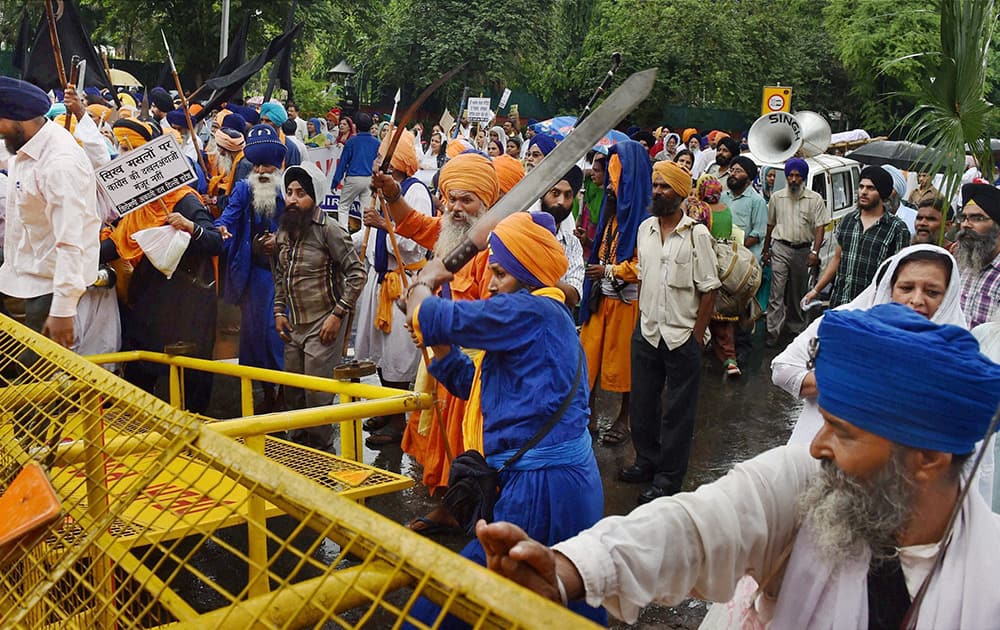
{"x":224,"y":31}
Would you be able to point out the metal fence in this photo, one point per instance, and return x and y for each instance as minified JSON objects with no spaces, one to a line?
{"x":121,"y":511}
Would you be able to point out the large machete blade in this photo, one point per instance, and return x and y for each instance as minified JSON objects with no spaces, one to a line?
{"x":550,"y":170}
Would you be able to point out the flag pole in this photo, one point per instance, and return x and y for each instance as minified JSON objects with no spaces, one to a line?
{"x":184,"y":104}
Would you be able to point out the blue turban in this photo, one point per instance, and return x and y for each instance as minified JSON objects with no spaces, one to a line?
{"x":90,"y":90}
{"x":264,"y":147}
{"x":797,"y":164}
{"x":275,"y":112}
{"x":176,"y":118}
{"x":544,"y":143}
{"x":898,"y":180}
{"x":159,"y":98}
{"x":235,"y":122}
{"x":56,"y":109}
{"x":892,"y":372}
{"x":20,"y":100}
{"x":249,"y":114}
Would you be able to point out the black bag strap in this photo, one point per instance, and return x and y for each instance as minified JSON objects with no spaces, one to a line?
{"x":560,"y":412}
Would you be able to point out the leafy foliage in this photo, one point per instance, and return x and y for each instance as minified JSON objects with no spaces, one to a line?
{"x":953,"y":112}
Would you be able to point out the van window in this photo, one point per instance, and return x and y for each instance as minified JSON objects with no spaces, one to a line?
{"x":843,"y":193}
{"x":819,"y":185}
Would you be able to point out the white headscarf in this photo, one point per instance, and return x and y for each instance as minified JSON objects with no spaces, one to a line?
{"x":880,"y":290}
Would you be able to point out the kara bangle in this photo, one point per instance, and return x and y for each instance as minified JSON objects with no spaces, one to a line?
{"x":419,"y":283}
{"x":562,"y":590}
{"x":399,"y":193}
{"x":609,"y":272}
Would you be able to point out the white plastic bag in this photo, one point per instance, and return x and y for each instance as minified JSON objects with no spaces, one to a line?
{"x":163,"y":246}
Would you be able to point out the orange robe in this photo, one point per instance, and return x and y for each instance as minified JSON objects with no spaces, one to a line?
{"x":607,"y":336}
{"x":470,"y":283}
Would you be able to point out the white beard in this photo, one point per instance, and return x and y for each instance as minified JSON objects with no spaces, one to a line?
{"x":452,"y":234}
{"x":224,"y":163}
{"x":264,"y":193}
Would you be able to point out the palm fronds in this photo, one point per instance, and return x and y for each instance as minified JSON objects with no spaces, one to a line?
{"x":952,"y":113}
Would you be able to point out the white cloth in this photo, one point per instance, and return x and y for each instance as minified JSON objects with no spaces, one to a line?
{"x":909,"y":217}
{"x":51,"y":242}
{"x":788,"y":369}
{"x":988,"y":335}
{"x":701,"y":543}
{"x":673,"y":275}
{"x":301,"y":130}
{"x":702,"y":161}
{"x":93,"y":143}
{"x":394,"y":353}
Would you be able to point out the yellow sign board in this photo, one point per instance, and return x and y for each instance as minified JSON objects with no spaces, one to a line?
{"x":776,"y":99}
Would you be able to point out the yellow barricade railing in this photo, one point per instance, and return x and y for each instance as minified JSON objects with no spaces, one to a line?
{"x":165,"y":520}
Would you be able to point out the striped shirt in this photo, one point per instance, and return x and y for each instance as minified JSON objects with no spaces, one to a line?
{"x":863,"y":251}
{"x":317,"y":272}
{"x":981,"y":294}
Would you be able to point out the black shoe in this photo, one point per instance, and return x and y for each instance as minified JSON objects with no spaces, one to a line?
{"x":652,"y":493}
{"x":635,"y":474}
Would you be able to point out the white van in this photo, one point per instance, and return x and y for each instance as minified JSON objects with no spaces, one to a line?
{"x":836,"y":179}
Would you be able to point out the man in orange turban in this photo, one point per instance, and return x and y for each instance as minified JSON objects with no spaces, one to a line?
{"x":469,"y":184}
{"x":509,"y":172}
{"x":381,"y":334}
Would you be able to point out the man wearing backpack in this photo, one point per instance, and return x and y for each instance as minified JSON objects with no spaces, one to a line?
{"x":796,"y":220}
{"x":679,"y":282}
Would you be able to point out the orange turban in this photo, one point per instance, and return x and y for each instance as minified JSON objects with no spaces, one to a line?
{"x":690,"y":131}
{"x":457,"y":146}
{"x":61,"y":121}
{"x":614,"y":172}
{"x":221,"y":116}
{"x":525,"y":245}
{"x":132,"y":133}
{"x":471,"y":172}
{"x":100,"y":112}
{"x":509,"y":172}
{"x":404,"y":158}
{"x":677,"y":177}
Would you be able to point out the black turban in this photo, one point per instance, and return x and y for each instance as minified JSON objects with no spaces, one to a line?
{"x":880,"y":178}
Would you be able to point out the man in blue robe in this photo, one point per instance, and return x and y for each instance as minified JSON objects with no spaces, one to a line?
{"x":249,"y":224}
{"x":530,"y":366}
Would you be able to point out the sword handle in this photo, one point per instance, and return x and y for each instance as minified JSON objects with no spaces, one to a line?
{"x":460,"y":256}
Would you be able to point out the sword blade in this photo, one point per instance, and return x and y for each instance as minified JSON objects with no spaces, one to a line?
{"x":550,"y":170}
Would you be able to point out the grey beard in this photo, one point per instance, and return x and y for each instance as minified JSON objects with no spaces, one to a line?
{"x":225,"y":163}
{"x":848,"y":516}
{"x":975,"y":250}
{"x":450,"y":236}
{"x":264,"y":193}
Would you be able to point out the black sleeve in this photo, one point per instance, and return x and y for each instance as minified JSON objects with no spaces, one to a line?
{"x":206,"y":239}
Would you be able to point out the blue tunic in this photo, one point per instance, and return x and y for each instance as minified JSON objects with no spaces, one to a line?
{"x":248,"y":283}
{"x":532,"y":352}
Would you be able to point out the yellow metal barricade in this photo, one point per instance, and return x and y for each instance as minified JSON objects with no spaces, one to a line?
{"x":167,"y":521}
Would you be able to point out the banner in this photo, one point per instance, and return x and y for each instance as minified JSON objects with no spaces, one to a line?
{"x":479,"y":110}
{"x":145,"y":174}
{"x":326,"y":159}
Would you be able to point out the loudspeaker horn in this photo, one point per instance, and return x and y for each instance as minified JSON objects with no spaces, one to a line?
{"x":775,"y":137}
{"x":815,"y":133}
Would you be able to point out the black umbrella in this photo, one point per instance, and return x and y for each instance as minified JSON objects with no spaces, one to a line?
{"x":899,"y":153}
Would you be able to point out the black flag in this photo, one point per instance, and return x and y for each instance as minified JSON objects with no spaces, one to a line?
{"x":227,"y":85}
{"x":40,"y":67}
{"x":20,"y":59}
{"x":237,"y":50}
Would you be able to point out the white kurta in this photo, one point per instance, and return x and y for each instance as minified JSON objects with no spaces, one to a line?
{"x":702,"y":543}
{"x":393,"y":353}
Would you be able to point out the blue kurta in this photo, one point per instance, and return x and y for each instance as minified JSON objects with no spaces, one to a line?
{"x":250,"y":284}
{"x":530,"y":362}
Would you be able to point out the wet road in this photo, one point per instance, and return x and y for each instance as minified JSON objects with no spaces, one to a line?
{"x":737,"y":419}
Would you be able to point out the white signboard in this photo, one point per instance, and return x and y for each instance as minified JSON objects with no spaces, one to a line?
{"x":145,"y":174}
{"x":479,"y":110}
{"x":503,"y":98}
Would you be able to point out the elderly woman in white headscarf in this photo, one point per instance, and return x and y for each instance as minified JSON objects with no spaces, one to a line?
{"x":923,"y":277}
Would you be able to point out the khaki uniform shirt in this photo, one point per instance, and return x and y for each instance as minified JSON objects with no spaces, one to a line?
{"x":795,"y":218}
